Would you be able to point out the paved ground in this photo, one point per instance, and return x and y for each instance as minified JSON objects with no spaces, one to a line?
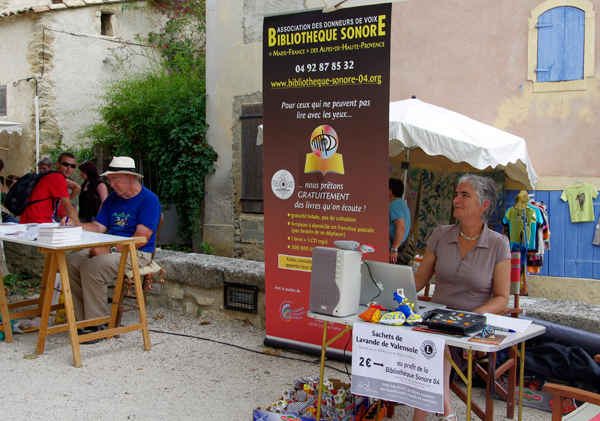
{"x":215,"y":371}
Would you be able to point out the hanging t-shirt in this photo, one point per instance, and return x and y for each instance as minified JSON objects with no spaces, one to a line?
{"x":532,"y":242}
{"x":514,"y":218}
{"x":580,"y":199}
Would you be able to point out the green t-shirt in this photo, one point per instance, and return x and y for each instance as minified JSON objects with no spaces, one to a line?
{"x":514,"y":218}
{"x":580,"y":199}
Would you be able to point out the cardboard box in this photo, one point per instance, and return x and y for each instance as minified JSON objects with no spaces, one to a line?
{"x":536,"y":399}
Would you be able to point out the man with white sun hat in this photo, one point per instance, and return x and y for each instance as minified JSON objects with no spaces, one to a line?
{"x":130,"y":211}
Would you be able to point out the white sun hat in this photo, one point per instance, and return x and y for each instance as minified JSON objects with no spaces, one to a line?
{"x":122,"y":165}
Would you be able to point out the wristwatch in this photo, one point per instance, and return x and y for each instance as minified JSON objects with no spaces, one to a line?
{"x":113,"y":249}
{"x":394,"y":250}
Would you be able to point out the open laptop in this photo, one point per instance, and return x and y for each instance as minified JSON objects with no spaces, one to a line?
{"x":387,"y":278}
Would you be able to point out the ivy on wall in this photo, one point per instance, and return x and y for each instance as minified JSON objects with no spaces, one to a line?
{"x":160,"y":112}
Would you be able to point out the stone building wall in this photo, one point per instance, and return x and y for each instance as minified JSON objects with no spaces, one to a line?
{"x":60,"y":50}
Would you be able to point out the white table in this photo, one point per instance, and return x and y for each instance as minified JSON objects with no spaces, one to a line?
{"x":55,"y":259}
{"x":512,"y":340}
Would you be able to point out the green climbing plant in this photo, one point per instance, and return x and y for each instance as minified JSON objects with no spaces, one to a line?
{"x":82,"y":152}
{"x":160,"y":113}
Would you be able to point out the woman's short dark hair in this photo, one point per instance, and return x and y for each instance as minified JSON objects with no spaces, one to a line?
{"x":397,"y":187}
{"x":89,"y":168}
{"x":1,"y":165}
{"x":485,"y":187}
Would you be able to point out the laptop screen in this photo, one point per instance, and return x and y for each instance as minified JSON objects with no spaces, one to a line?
{"x":380,"y":280}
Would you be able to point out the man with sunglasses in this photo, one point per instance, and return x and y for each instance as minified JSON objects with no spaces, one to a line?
{"x":64,"y":161}
{"x":50,"y":191}
{"x":65,"y":165}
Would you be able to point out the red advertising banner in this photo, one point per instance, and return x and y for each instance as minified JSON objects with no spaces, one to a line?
{"x":325,"y":151}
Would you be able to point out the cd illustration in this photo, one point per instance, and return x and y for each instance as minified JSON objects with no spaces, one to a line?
{"x":283,"y":184}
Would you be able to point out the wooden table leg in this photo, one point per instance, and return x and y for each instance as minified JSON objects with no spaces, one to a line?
{"x":8,"y":336}
{"x":70,"y":312}
{"x":470,"y":382}
{"x":48,"y":280}
{"x":129,"y":249}
{"x":117,"y":293}
{"x":140,"y":297}
{"x":491,"y":384}
{"x":322,"y":370}
{"x":512,"y":383}
{"x":521,"y":376}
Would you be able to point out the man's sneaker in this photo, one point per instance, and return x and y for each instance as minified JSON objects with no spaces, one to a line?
{"x":92,"y":329}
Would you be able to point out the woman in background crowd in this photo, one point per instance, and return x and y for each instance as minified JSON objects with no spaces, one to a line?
{"x":10,"y":180}
{"x":93,"y":192}
{"x":6,"y":217}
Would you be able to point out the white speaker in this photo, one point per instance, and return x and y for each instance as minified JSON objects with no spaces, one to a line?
{"x":335,"y":281}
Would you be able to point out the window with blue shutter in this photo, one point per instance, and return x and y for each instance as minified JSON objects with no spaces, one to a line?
{"x":561,"y":33}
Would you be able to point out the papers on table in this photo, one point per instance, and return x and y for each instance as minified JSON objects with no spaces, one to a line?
{"x":31,"y":231}
{"x":11,"y":227}
{"x":59,"y":235}
{"x":507,"y":323}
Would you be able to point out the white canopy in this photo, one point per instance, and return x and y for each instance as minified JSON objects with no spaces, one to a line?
{"x":438,"y":131}
{"x":10,"y":127}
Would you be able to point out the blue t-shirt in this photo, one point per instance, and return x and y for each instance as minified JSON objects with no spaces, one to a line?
{"x":122,"y":216}
{"x":399,"y":210}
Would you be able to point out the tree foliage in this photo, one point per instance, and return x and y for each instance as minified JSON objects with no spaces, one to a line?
{"x":159,"y":113}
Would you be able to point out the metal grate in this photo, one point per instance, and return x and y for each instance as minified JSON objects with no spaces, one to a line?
{"x":241,"y":297}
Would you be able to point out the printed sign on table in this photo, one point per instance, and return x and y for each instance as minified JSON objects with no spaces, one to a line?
{"x":398,"y":365}
{"x":325,"y":151}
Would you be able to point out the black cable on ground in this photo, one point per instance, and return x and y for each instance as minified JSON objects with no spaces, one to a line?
{"x":246,"y":349}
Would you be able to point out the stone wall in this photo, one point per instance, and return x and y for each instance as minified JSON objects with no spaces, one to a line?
{"x":24,"y":259}
{"x":194,"y":284}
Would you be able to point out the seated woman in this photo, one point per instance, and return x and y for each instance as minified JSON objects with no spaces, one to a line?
{"x":471,"y":263}
{"x":4,"y":187}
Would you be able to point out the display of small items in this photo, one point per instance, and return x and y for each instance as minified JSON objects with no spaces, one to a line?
{"x":301,"y":400}
{"x":403,"y":315}
{"x":12,"y":322}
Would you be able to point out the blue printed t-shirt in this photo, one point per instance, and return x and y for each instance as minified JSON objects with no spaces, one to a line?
{"x":399,"y":210}
{"x":122,"y":216}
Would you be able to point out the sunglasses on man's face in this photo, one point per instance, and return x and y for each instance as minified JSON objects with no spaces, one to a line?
{"x":67,"y":165}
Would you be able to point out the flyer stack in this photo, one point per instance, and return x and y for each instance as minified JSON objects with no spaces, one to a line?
{"x":59,"y":235}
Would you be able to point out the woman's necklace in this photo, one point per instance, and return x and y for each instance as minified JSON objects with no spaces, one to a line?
{"x":462,"y":234}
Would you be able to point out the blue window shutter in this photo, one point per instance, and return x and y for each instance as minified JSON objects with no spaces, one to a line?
{"x":551,"y":45}
{"x":574,"y":43}
{"x":560,"y":44}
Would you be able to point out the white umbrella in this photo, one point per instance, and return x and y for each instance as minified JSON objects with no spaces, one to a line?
{"x":438,"y":131}
{"x":333,"y":5}
{"x":10,"y":127}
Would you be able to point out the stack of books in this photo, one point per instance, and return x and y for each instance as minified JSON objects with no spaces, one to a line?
{"x":11,"y":227}
{"x":59,"y":235}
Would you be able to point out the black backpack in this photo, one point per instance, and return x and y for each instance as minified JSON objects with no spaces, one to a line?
{"x":17,"y":197}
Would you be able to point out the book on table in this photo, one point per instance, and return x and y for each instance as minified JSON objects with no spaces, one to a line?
{"x":57,"y":235}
